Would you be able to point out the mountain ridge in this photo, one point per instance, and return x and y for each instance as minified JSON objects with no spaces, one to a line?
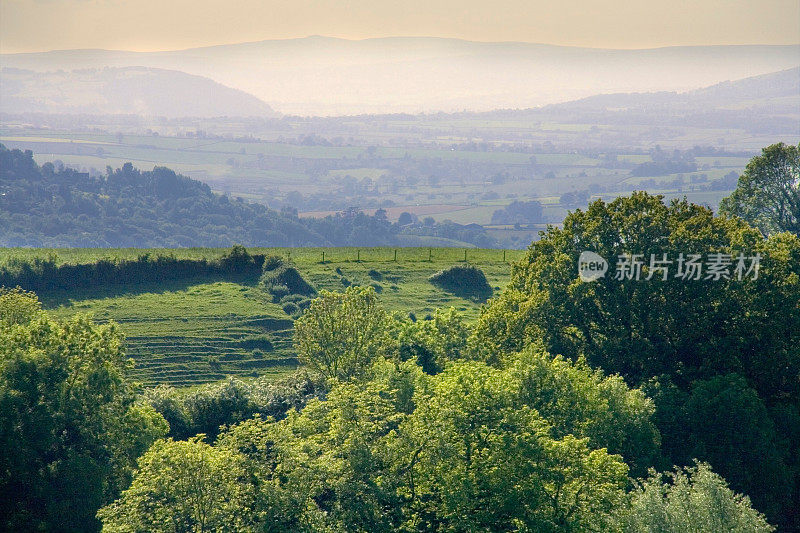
{"x":333,"y":76}
{"x":124,"y":90}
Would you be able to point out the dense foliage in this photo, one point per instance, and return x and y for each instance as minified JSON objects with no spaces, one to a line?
{"x":768,"y":193}
{"x":720,"y":357}
{"x":518,"y":212}
{"x":541,"y":444}
{"x":45,"y":206}
{"x":692,"y":499}
{"x":70,"y":429}
{"x":45,"y":275}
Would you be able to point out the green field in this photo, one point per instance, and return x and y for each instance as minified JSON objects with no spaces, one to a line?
{"x":200,"y":330}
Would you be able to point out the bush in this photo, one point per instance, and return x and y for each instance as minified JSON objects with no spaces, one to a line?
{"x":284,"y":280}
{"x":253,"y":343}
{"x":278,"y":291}
{"x":374,"y":274}
{"x":236,"y":259}
{"x":465,"y":281}
{"x":272,"y":262}
{"x":377,"y":286}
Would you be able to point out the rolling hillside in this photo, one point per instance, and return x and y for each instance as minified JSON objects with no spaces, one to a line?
{"x":775,"y":88}
{"x":200,"y":328}
{"x":131,"y":90}
{"x":328,"y":76}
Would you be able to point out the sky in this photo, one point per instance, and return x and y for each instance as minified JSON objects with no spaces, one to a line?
{"x":150,"y":25}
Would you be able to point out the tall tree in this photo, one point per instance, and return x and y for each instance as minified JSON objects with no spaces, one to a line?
{"x":692,"y":499}
{"x":70,"y":431}
{"x":677,"y":328}
{"x":183,"y":486}
{"x":768,"y":193}
{"x":341,"y":334}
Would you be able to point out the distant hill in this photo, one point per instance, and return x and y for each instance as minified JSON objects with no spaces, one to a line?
{"x":129,"y":208}
{"x":774,"y":85}
{"x":130,"y":90}
{"x":751,"y":91}
{"x":328,"y":76}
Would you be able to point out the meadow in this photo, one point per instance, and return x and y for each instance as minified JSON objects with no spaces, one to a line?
{"x":202,"y":329}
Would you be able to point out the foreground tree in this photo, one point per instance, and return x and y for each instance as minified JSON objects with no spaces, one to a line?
{"x":576,"y":400}
{"x":341,"y":334}
{"x":70,"y":431}
{"x":768,"y":193}
{"x":686,"y":328}
{"x":692,"y":499}
{"x":472,"y":458}
{"x":678,"y":331}
{"x":183,"y":486}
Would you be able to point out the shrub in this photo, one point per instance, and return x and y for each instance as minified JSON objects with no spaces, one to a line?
{"x":691,"y":499}
{"x":236,"y":259}
{"x":278,"y":291}
{"x":374,"y":274}
{"x":272,"y":262}
{"x":293,"y":298}
{"x":465,"y":281}
{"x":256,"y":343}
{"x":284,"y":280}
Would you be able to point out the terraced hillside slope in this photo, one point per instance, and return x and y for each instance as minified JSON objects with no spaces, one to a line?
{"x":201,"y":329}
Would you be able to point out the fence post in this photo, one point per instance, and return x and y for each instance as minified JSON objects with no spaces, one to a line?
{"x":504,"y":256}
{"x":395,"y":255}
{"x":465,"y":255}
{"x":323,"y":256}
{"x":430,"y":255}
{"x":358,"y":256}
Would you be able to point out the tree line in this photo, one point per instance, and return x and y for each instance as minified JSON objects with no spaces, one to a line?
{"x":45,"y":206}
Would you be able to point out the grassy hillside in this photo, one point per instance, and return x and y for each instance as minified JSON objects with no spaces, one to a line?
{"x":134,"y":90}
{"x":198,"y":330}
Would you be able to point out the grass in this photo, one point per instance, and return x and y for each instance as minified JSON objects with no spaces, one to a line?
{"x":202,"y":330}
{"x":187,"y":335}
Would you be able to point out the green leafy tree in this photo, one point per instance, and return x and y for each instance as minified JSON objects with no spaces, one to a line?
{"x":217,"y":404}
{"x":433,"y":343}
{"x":327,"y":467}
{"x":183,"y":486}
{"x":680,"y":331}
{"x":733,"y":431}
{"x":576,"y":400}
{"x":768,"y":193}
{"x":341,"y":334}
{"x":471,"y":458}
{"x":691,"y":499}
{"x":70,"y":431}
{"x":688,"y":329}
{"x":17,"y":307}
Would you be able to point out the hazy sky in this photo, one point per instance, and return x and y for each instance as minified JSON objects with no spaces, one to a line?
{"x":36,"y":25}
